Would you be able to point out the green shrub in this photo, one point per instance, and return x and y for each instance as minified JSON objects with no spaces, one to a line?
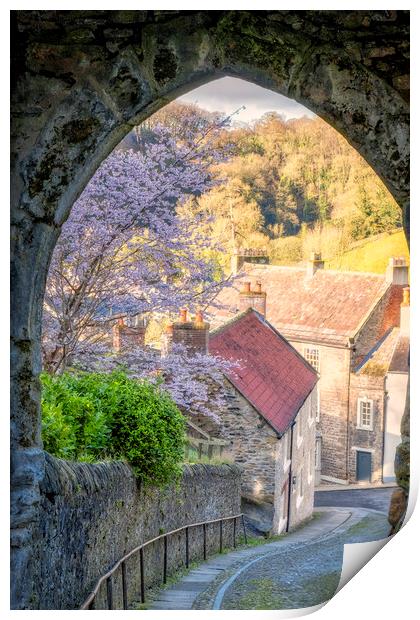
{"x":93,"y":416}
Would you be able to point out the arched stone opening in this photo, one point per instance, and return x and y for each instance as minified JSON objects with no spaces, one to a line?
{"x":83,"y":79}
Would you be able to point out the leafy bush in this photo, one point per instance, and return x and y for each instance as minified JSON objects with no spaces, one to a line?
{"x":92,"y":416}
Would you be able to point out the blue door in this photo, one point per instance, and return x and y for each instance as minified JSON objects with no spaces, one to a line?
{"x":363,"y":466}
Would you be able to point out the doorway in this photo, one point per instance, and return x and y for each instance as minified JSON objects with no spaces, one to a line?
{"x":363,"y":466}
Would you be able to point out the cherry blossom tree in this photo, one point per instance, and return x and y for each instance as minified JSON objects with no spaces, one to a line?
{"x":126,"y":246}
{"x":194,"y":380}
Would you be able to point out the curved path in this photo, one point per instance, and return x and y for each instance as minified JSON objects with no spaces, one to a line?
{"x":299,"y":570}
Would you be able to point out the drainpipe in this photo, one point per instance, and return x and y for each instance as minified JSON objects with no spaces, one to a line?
{"x":289,"y":494}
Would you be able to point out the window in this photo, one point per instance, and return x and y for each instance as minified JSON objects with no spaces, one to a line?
{"x":286,"y":448}
{"x":318,"y":405}
{"x":299,"y":437}
{"x":318,"y":453}
{"x":365,"y":414}
{"x":310,"y":465}
{"x":311,"y":354}
{"x":285,"y":500}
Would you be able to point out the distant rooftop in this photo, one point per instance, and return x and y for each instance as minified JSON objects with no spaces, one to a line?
{"x":272,"y":376}
{"x":327,"y":307}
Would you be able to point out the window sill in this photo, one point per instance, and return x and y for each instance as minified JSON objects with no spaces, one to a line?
{"x":364,"y":428}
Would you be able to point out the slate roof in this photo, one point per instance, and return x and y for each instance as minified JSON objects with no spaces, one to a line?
{"x":328,"y":307}
{"x":400,"y":358}
{"x":272,"y":376}
{"x":390,"y":354}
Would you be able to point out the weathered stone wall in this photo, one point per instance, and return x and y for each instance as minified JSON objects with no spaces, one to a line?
{"x":399,"y":499}
{"x":371,"y":387}
{"x":264,"y":459}
{"x":252,"y":443}
{"x":333,"y":386}
{"x":91,"y":515}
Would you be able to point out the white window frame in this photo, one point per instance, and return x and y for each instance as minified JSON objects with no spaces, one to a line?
{"x":362,"y":400}
{"x":308,"y":354}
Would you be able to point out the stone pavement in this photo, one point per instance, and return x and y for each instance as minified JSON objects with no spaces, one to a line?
{"x":373,"y":498}
{"x":183,"y":594}
{"x":298,"y":575}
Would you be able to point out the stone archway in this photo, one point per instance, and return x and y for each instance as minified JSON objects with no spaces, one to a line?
{"x":82,"y":79}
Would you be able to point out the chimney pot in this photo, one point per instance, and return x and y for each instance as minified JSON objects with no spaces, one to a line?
{"x":199,"y":319}
{"x":314,"y":263}
{"x":255,"y":299}
{"x":183,"y":315}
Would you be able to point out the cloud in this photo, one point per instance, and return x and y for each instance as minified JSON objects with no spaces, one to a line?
{"x":228,"y":94}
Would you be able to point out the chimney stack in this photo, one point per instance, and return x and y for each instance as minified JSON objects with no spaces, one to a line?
{"x":256,"y":299}
{"x":314,"y":263}
{"x":247,"y":255}
{"x":125,"y":337}
{"x":405,"y":313}
{"x":397,"y":271}
{"x":193,"y":335}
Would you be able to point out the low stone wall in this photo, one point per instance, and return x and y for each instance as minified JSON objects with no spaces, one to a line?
{"x":92,"y":515}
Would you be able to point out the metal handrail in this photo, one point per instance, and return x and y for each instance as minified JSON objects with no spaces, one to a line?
{"x":89,"y":602}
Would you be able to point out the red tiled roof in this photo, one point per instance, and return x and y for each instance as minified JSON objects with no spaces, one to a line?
{"x":328,"y":307}
{"x":272,"y":376}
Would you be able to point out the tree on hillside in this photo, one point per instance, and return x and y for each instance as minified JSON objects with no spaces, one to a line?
{"x":125,"y":247}
{"x":377,"y":212}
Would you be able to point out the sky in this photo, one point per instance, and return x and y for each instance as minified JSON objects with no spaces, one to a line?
{"x":228,"y":94}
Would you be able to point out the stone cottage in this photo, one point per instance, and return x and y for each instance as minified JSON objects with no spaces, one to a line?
{"x":268,"y":418}
{"x":333,"y":319}
{"x":378,"y":390}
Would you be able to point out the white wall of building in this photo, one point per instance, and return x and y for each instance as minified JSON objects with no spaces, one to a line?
{"x":396,"y":388}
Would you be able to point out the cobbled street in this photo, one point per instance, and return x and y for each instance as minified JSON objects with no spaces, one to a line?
{"x":301,"y":569}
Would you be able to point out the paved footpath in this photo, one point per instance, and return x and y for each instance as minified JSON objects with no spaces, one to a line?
{"x":243,"y":579}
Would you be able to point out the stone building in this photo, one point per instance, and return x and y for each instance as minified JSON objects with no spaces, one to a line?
{"x":125,"y":337}
{"x":378,"y":389}
{"x":268,"y":418}
{"x":334,"y":320}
